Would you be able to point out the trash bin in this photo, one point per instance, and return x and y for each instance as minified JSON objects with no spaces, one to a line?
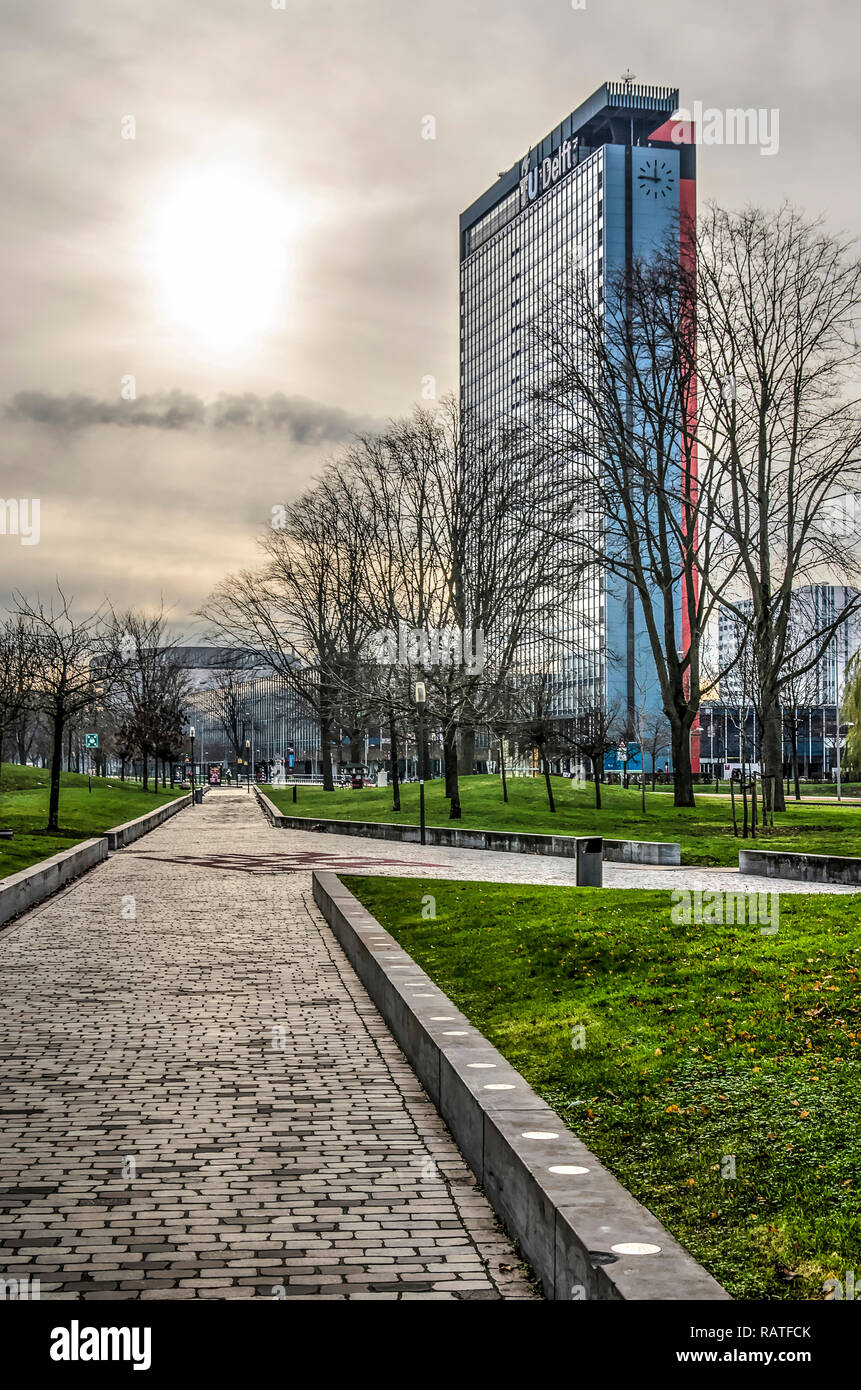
{"x":198,"y":797}
{"x":590,"y":863}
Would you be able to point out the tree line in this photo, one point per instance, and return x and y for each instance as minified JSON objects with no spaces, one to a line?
{"x":692,"y":435}
{"x":114,"y":673}
{"x":689,"y":445}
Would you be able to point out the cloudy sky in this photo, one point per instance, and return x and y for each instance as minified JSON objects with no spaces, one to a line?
{"x":226,"y":244}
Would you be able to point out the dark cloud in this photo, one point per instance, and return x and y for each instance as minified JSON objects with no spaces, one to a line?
{"x":301,"y":420}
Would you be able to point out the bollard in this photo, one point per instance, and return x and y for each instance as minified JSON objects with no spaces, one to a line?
{"x":295,"y":789}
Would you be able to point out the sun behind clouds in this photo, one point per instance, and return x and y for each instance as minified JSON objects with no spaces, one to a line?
{"x":220,"y":242}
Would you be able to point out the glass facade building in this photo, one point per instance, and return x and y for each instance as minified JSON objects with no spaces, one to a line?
{"x":814,"y":609}
{"x":602,"y":188}
{"x":726,"y":730}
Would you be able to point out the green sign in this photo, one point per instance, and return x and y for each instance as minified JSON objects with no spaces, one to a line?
{"x":91,"y":740}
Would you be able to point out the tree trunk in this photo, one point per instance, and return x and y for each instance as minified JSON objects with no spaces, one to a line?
{"x":467,"y":751}
{"x":545,"y":767}
{"x":732,"y":799}
{"x":393,"y":743}
{"x":326,"y":751}
{"x":452,"y":790}
{"x":683,"y":778}
{"x":772,"y":748}
{"x":145,"y":755}
{"x":122,"y":769}
{"x":56,"y":765}
{"x":450,"y":768}
{"x":597,"y":781}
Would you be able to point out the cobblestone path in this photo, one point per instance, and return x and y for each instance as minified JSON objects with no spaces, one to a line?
{"x":199,"y":1100}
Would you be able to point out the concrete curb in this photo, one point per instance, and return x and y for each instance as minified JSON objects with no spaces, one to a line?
{"x":666,"y":853}
{"x":121,"y":835}
{"x":808,"y":868}
{"x":32,"y":886}
{"x":270,"y":810}
{"x":509,"y":841}
{"x":566,"y":1223}
{"x":29,"y":887}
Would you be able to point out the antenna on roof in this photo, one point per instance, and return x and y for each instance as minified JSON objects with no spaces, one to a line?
{"x":629,"y":77}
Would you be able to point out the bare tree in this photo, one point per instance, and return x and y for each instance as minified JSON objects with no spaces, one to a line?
{"x":595,"y":731}
{"x":617,"y":399}
{"x":653,"y":736}
{"x":76,"y":665}
{"x":230,"y":702}
{"x":779,"y":418}
{"x":151,"y":690}
{"x":17,"y":674}
{"x":536,"y":726}
{"x":458,"y":577}
{"x":801,"y":685}
{"x":302,"y":613}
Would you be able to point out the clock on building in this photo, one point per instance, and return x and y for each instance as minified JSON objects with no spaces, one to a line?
{"x":656,"y":178}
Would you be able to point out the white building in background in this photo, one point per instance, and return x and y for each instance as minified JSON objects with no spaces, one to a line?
{"x":814,"y":607}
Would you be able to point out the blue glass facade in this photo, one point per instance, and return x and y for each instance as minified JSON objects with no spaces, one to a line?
{"x":584,"y":197}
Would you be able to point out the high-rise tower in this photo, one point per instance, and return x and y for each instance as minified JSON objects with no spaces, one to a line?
{"x":615,"y":178}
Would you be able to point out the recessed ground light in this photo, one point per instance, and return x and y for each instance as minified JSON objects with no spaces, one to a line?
{"x":424,"y":996}
{"x":499,"y":1086}
{"x":539,"y":1134}
{"x":442,"y":1018}
{"x":454,"y":1032}
{"x":480,"y":1066}
{"x":635,"y":1247}
{"x":567,"y":1168}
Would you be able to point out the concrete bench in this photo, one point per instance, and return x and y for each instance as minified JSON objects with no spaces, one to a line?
{"x":808,"y":868}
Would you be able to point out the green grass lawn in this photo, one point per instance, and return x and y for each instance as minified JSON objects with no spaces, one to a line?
{"x":24,"y":807}
{"x":701,"y":1043}
{"x":705,"y":833}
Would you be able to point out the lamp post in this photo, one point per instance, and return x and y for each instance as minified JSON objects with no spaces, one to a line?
{"x":421,"y":699}
{"x":622,"y":757}
{"x":248,"y":722}
{"x":191,"y":736}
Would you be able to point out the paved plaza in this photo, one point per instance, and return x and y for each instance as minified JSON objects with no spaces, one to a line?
{"x":199,"y":1100}
{"x":302,"y":849}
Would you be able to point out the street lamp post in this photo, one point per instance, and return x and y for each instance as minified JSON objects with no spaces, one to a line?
{"x":421,"y":698}
{"x":191,"y":736}
{"x":248,"y":765}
